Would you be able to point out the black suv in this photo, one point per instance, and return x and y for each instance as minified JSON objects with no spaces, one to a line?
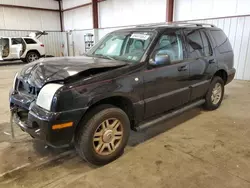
{"x":132,"y":79}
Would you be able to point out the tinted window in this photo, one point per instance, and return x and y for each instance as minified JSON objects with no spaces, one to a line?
{"x":222,"y":41}
{"x":170,"y":44}
{"x":194,"y":43}
{"x":206,"y":45}
{"x":30,"y":41}
{"x":16,"y":41}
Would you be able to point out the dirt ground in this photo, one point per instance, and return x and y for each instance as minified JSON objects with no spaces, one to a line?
{"x":195,"y":150}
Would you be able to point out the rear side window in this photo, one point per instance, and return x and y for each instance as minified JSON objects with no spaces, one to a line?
{"x":15,"y":41}
{"x":198,"y":44}
{"x":206,"y":44}
{"x":29,"y":41}
{"x":194,"y":43}
{"x":222,"y":41}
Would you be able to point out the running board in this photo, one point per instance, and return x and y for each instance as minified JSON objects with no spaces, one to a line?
{"x":169,"y":115}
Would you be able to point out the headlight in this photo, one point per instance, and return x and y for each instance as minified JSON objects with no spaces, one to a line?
{"x":45,"y":97}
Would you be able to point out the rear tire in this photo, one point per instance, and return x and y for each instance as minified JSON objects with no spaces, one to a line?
{"x":32,"y":56}
{"x":215,"y":94}
{"x":103,"y":135}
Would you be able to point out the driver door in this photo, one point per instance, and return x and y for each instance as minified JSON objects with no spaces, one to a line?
{"x":167,"y":85}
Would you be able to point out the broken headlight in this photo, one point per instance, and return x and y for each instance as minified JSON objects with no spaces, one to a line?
{"x":46,"y":95}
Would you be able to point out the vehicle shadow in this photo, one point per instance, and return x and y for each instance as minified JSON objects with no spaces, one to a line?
{"x":10,"y":63}
{"x":135,"y":137}
{"x":142,"y":136}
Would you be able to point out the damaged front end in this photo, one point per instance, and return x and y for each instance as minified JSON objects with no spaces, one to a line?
{"x":21,"y":97}
{"x":31,"y":111}
{"x":43,"y":102}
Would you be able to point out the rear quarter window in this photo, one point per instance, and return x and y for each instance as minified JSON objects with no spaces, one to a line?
{"x":29,"y":41}
{"x":221,"y":40}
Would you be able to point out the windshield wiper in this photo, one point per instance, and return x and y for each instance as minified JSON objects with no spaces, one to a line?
{"x":104,"y":56}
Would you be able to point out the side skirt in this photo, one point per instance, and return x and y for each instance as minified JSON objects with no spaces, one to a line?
{"x":169,"y":115}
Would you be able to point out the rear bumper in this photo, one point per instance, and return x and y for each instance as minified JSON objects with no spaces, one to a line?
{"x":39,"y":123}
{"x":231,"y":75}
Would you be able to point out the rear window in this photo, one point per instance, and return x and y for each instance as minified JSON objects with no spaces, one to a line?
{"x":222,"y":41}
{"x":29,"y":41}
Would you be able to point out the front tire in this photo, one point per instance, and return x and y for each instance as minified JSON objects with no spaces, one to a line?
{"x":215,"y":94}
{"x":103,"y":136}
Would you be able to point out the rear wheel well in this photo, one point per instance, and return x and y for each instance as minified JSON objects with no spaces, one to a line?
{"x":223,"y":74}
{"x":33,"y":51}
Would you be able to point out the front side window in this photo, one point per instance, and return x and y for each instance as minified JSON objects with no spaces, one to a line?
{"x":130,"y":46}
{"x":170,"y":44}
{"x":29,"y":41}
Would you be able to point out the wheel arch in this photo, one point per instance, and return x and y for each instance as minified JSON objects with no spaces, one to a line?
{"x":223,"y":74}
{"x":33,"y":50}
{"x":118,"y":101}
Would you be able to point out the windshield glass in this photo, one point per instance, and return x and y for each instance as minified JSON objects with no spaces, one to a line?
{"x":128,"y":46}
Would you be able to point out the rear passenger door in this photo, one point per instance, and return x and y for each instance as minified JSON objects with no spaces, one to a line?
{"x":16,"y":48}
{"x":202,"y":61}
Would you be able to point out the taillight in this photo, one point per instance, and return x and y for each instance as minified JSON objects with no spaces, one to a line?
{"x":42,"y":45}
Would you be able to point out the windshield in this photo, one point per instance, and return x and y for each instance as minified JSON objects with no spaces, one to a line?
{"x":128,"y":46}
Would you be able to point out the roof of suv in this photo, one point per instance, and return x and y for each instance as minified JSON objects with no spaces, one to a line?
{"x":163,"y":26}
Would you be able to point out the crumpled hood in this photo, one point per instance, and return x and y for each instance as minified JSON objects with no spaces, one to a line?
{"x":54,"y":69}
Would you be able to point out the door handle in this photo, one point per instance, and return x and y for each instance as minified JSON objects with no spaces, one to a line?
{"x":182,"y":68}
{"x":211,"y":61}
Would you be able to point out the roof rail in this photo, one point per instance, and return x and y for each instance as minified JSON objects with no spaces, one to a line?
{"x":177,"y":23}
{"x":153,"y":24}
{"x":197,"y":24}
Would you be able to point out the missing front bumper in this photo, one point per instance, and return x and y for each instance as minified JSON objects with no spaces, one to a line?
{"x":51,"y":127}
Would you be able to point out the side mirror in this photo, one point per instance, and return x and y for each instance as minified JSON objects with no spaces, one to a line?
{"x":160,"y":60}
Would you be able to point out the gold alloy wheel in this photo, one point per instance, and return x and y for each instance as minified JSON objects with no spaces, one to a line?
{"x":108,"y":136}
{"x":216,"y":93}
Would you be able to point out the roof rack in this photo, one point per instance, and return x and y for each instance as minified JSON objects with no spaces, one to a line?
{"x":177,"y":23}
{"x":197,"y":24}
{"x":154,"y":24}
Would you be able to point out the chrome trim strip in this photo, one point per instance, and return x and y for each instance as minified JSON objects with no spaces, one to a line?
{"x":165,"y":94}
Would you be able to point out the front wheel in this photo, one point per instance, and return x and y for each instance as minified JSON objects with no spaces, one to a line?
{"x":103,"y":136}
{"x":215,"y":94}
